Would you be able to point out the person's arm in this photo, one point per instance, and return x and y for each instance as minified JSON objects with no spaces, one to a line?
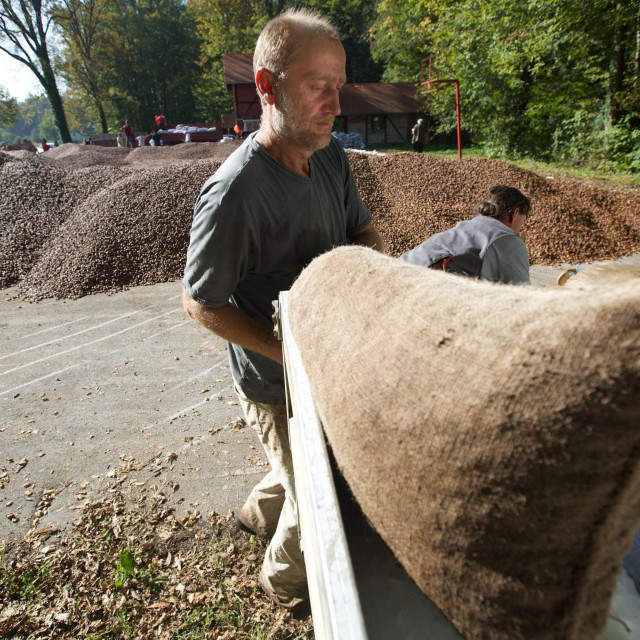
{"x":506,"y":261}
{"x":234,"y":325}
{"x":368,"y":237}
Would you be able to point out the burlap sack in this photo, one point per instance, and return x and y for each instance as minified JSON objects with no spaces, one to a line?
{"x":490,"y":433}
{"x":604,"y":274}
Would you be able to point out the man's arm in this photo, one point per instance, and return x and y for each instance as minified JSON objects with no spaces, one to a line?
{"x":235,"y":326}
{"x":368,"y":237}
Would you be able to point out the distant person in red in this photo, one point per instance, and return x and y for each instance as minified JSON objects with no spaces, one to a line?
{"x":238,"y":130}
{"x":127,"y":129}
{"x":45,"y":146}
{"x":161,"y":123}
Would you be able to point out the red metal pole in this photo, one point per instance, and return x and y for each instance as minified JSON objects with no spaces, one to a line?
{"x":458,"y":119}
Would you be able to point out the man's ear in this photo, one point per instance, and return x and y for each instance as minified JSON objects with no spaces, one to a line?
{"x":265,"y":85}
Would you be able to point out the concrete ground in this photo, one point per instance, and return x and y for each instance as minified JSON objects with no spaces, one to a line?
{"x":115,"y":386}
{"x":122,"y":387}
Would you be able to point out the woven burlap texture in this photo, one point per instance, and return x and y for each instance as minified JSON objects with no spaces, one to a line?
{"x":604,"y":274}
{"x":489,"y":433}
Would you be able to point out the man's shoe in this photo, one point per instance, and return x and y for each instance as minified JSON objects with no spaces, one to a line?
{"x":243,"y":526}
{"x":291,"y":603}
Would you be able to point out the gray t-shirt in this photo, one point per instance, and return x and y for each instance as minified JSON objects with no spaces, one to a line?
{"x":256,"y":225}
{"x":492,"y":250}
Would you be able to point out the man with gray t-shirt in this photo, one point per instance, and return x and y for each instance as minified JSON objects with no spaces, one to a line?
{"x":282,"y":198}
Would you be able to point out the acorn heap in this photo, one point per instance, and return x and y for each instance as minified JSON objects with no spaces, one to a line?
{"x":88,"y":219}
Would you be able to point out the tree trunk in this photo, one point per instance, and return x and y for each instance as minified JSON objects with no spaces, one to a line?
{"x":617,"y":70}
{"x":637,"y":70}
{"x":103,"y":117}
{"x":58,"y":112}
{"x":48,"y":81}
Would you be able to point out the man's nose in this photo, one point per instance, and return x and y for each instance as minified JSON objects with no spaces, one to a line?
{"x":333,"y":102}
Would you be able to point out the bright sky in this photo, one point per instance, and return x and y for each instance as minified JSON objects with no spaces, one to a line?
{"x":17,"y":78}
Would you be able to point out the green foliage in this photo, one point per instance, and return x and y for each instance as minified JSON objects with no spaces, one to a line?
{"x":545,"y":79}
{"x":400,"y":37}
{"x":25,"y":36}
{"x":81,"y":64}
{"x":233,"y":26}
{"x":23,"y":583}
{"x":222,"y":26}
{"x":129,"y":571}
{"x":34,"y":121}
{"x":541,"y":78}
{"x":142,"y":61}
{"x":82,"y":114}
{"x":353,"y":19}
{"x":613,"y":149}
{"x":8,"y":108}
{"x":125,"y":568}
{"x":47,"y":128}
{"x":155,"y":70}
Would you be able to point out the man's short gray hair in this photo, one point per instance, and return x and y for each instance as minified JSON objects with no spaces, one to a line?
{"x":284,"y":35}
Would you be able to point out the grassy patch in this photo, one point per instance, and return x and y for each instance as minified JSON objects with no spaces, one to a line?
{"x":560,"y":170}
{"x":139,"y":573}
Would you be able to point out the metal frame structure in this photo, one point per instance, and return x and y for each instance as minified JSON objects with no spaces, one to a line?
{"x":429,"y":82}
{"x":357,"y":589}
{"x":337,"y":613}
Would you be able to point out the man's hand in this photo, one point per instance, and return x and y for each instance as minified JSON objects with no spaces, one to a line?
{"x":236,"y":326}
{"x":368,"y":237}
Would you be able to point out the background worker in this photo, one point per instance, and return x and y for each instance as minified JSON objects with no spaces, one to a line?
{"x":488,"y":246}
{"x":283,"y":197}
{"x":160,"y":122}
{"x":127,"y":130}
{"x":417,"y":135}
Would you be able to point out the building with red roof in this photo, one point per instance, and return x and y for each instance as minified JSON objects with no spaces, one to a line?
{"x":382,"y":113}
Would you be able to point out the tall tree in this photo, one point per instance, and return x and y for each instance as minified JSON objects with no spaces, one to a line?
{"x":537,"y":77}
{"x":400,"y":37}
{"x":79,"y":22}
{"x":353,"y":19}
{"x":33,"y":120}
{"x":24,"y":30}
{"x":636,"y":82}
{"x":224,"y":27}
{"x":153,"y":48}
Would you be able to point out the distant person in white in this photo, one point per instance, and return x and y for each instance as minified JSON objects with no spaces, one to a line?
{"x":487,"y":246}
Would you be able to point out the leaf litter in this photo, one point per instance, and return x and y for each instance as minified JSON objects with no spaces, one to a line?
{"x":134,"y":568}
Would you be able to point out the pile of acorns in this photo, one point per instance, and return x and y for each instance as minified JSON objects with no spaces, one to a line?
{"x":413,"y":196}
{"x":83,"y":220}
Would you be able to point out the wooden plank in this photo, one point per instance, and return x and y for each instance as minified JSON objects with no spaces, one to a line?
{"x":332,"y":589}
{"x":340,"y":575}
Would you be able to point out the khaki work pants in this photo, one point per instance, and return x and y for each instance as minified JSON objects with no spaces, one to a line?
{"x":271,"y":510}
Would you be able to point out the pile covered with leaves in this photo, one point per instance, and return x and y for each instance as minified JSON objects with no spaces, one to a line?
{"x":140,"y":572}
